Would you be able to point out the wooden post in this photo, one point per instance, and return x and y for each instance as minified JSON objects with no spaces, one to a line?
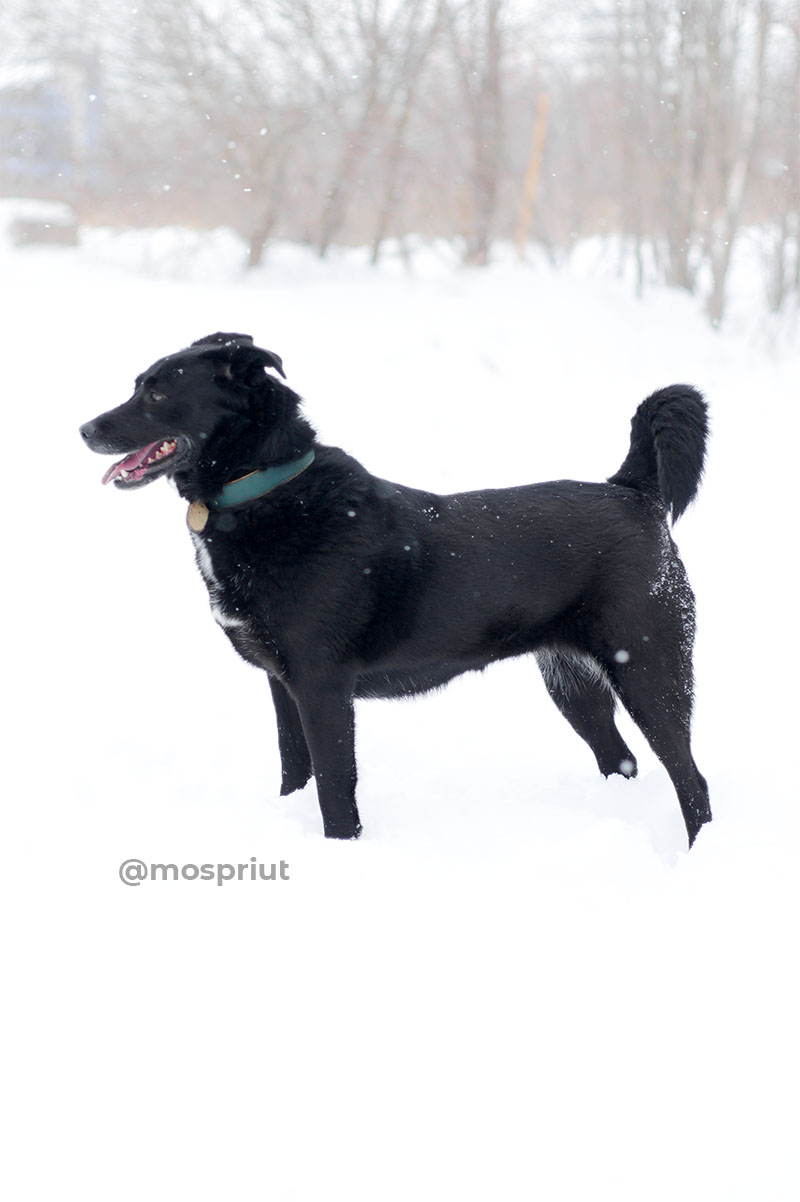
{"x":532,"y":174}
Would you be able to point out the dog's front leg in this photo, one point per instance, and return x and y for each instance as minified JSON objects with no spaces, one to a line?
{"x":295,"y":756}
{"x":328,"y":717}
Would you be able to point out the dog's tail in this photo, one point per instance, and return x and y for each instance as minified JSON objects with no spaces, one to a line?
{"x":668,"y":446}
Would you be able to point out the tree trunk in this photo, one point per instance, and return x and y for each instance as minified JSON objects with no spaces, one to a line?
{"x":533,"y":172}
{"x":726,"y":225}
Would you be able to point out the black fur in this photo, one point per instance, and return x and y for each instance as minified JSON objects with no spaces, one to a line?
{"x":668,"y":443}
{"x":342,"y":585}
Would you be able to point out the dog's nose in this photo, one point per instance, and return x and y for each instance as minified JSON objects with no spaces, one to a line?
{"x":88,"y":431}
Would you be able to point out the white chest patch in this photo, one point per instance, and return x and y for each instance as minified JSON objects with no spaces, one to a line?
{"x":206,"y":565}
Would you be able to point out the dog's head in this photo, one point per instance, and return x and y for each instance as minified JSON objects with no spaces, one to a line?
{"x":197,"y":415}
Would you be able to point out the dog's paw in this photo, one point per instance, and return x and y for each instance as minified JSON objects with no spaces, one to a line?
{"x":294,"y":780}
{"x":626,"y":767}
{"x":343,"y":830}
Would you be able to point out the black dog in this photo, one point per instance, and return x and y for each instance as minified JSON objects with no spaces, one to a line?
{"x":341,"y":585}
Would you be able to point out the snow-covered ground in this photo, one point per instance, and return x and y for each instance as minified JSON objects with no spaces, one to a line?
{"x":517,"y":984}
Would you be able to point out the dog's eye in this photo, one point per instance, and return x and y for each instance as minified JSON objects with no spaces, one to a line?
{"x":157,"y":396}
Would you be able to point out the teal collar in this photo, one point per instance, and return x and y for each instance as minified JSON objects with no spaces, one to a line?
{"x":258,"y":484}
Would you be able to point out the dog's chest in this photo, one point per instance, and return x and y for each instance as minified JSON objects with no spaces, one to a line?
{"x":227,"y":590}
{"x":231,"y":591}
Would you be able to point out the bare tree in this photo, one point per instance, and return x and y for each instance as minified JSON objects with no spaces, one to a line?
{"x":735,"y":167}
{"x":477,"y":40}
{"x":780,"y":162}
{"x":413,"y":43}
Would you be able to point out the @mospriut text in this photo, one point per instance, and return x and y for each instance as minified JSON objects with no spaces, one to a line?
{"x":135,"y":872}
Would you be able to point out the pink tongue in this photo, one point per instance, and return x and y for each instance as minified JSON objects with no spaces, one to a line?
{"x":131,"y":463}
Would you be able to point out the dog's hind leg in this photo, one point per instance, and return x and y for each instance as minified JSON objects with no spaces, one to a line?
{"x":295,"y":756}
{"x":650,"y":669}
{"x":581,"y":690}
{"x":328,"y":716}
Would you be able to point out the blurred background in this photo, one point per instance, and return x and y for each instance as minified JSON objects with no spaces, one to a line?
{"x":667,"y":128}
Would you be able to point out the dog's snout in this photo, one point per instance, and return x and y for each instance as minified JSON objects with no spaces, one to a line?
{"x":88,"y":431}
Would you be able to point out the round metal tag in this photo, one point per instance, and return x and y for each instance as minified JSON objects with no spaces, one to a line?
{"x":197,"y":516}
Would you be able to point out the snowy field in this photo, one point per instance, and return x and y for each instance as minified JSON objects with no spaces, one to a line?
{"x":517,"y":984}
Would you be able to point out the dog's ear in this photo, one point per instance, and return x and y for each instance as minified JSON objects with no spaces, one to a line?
{"x":238,"y":356}
{"x":257,"y":355}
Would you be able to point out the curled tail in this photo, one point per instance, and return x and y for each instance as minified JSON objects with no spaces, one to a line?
{"x":668,"y":447}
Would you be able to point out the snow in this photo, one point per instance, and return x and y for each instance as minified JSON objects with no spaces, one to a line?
{"x":517,"y":984}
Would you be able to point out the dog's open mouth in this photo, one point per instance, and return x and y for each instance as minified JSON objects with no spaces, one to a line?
{"x":141,"y":464}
